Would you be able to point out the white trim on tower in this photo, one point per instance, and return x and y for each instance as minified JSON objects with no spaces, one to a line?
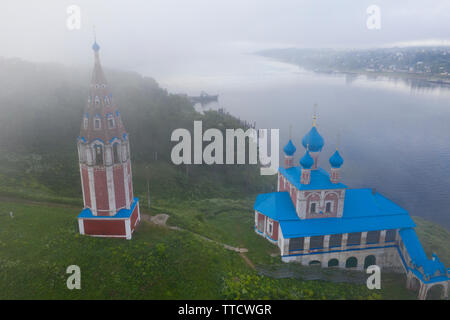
{"x":110,"y":186}
{"x":92,"y":190}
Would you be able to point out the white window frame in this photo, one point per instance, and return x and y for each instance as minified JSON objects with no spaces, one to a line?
{"x":111,"y":118}
{"x":86,"y":122}
{"x":315,"y":208}
{"x":99,"y":123}
{"x":269,"y":226}
{"x":331,"y":206}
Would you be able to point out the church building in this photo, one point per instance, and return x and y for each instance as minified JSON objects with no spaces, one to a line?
{"x":315,"y":219}
{"x":110,"y":209}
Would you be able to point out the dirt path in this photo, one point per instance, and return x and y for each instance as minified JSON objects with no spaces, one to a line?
{"x":36,"y":202}
{"x":161,"y":220}
{"x":247,"y":260}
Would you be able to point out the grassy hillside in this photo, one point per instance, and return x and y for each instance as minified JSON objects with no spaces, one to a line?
{"x":41,"y":240}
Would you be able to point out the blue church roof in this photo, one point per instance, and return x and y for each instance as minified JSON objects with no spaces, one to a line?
{"x":320,"y":179}
{"x":276,"y":205}
{"x":314,"y":140}
{"x":336,"y":160}
{"x":422,"y":265}
{"x":121,"y":214}
{"x":95,"y":46}
{"x":363,"y":211}
{"x":306,"y":161}
{"x":289,"y":149}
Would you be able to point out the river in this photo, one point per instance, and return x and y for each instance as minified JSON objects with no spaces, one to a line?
{"x":394,"y":135}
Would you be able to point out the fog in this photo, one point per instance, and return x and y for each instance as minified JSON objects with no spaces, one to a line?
{"x":162,"y":36}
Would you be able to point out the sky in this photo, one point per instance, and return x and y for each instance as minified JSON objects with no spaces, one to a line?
{"x":167,"y":33}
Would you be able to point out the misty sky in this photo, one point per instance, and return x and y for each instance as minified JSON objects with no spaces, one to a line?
{"x":135,"y":33}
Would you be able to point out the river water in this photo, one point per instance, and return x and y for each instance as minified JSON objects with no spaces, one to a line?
{"x":393,"y":135}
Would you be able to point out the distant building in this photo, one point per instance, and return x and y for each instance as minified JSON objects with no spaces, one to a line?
{"x":110,"y":209}
{"x":317,"y":220}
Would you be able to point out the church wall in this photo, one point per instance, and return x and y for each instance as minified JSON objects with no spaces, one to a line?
{"x":130,"y":184}
{"x":104,"y":227}
{"x":101,"y":191}
{"x":86,"y":190}
{"x":119,"y":187}
{"x":387,"y":258}
{"x":134,"y":217}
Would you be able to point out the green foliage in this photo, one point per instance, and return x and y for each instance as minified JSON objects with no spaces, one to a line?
{"x":252,"y":286}
{"x":41,"y":241}
{"x":38,"y":133}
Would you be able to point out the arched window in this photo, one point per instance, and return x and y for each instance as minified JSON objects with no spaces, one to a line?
{"x":116,"y":157}
{"x":110,"y":121}
{"x":315,"y":263}
{"x":97,"y":122}
{"x":436,"y":292}
{"x":369,"y":261}
{"x":351,"y":262}
{"x":333,"y":263}
{"x":98,"y":150}
{"x":328,"y":206}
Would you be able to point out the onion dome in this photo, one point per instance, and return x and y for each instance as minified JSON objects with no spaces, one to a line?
{"x":95,"y":47}
{"x":336,"y":160}
{"x":314,"y":139}
{"x":307,"y":161}
{"x":289,"y":149}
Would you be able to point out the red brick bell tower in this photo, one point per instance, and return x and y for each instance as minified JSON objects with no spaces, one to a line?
{"x":110,"y":209}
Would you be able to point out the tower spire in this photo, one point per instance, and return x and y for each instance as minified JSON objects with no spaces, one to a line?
{"x":315,"y":115}
{"x":338,"y":142}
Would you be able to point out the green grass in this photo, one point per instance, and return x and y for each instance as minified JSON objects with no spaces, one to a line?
{"x":42,"y":240}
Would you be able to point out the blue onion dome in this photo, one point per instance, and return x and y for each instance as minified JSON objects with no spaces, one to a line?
{"x":289,"y":149}
{"x":336,"y":160}
{"x":306,"y":161}
{"x":314,"y":139}
{"x":95,"y":46}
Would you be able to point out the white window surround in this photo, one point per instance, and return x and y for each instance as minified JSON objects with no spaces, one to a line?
{"x":97,"y":123}
{"x":331,"y":206}
{"x":316,"y":203}
{"x":111,"y":122}
{"x":86,"y":123}
{"x":269,"y":226}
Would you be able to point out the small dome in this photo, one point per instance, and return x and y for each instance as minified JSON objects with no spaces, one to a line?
{"x":289,"y":149}
{"x":336,"y":160}
{"x":314,"y":140}
{"x":95,"y":46}
{"x":307,"y":161}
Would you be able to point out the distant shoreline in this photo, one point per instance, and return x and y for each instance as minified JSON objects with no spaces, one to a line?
{"x":426,"y":78}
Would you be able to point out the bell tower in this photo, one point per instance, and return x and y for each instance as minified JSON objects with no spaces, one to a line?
{"x":110,"y":209}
